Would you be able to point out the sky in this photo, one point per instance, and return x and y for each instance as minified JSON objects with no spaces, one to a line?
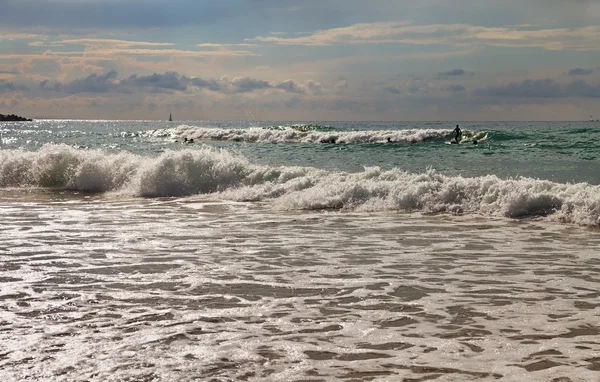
{"x":301,"y":60}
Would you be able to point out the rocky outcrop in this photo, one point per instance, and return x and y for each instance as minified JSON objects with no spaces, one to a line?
{"x":12,"y":118}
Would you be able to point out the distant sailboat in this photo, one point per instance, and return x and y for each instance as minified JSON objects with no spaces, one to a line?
{"x":170,"y":117}
{"x":591,"y":118}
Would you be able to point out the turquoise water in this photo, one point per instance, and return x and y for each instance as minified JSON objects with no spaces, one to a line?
{"x":557,"y":151}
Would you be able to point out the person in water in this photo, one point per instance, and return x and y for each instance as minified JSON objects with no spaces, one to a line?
{"x":458,"y":133}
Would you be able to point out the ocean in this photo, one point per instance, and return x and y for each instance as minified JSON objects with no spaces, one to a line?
{"x":288,"y":251}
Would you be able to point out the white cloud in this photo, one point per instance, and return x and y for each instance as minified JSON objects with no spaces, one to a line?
{"x":403,"y":32}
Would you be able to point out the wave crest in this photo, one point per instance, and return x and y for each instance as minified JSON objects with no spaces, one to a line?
{"x":307,"y":134}
{"x":222,"y":174}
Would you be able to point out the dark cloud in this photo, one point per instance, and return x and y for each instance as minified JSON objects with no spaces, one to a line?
{"x":579,"y":72}
{"x":93,"y":83}
{"x":163,"y":83}
{"x":247,"y":84}
{"x":107,"y":82}
{"x":393,"y":89}
{"x":6,"y":87}
{"x":167,"y":81}
{"x":289,"y":86}
{"x":213,"y":85}
{"x":454,"y":88}
{"x":453,"y":72}
{"x":57,"y":87}
{"x":581,"y":88}
{"x":543,"y":88}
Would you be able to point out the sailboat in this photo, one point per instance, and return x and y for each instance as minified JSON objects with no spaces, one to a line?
{"x":170,"y":117}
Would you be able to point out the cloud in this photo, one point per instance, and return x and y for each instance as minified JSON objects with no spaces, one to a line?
{"x":580,"y":72}
{"x":93,"y":83}
{"x":171,"y":82}
{"x":290,"y":87}
{"x":167,"y":81}
{"x":45,"y":84}
{"x":403,"y":32}
{"x":453,"y":72}
{"x":541,"y":88}
{"x":247,"y":84}
{"x":98,"y":46}
{"x":6,"y":87}
{"x":454,"y":88}
{"x":314,"y":87}
{"x":393,"y":89}
{"x":111,"y":43}
{"x":341,"y":83}
{"x":581,"y":88}
{"x":115,"y":49}
{"x":212,"y":84}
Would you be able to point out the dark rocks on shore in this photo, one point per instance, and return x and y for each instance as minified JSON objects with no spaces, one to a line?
{"x":12,"y":118}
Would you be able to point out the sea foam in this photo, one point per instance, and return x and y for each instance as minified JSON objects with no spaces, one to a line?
{"x":306,"y":134}
{"x":222,"y":174}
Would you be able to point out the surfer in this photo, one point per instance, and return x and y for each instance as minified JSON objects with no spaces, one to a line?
{"x":458,"y":133}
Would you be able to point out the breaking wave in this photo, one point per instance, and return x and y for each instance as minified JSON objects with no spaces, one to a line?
{"x":221,"y":174}
{"x":306,"y":133}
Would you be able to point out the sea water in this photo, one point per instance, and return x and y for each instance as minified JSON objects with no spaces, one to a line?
{"x":299,"y":251}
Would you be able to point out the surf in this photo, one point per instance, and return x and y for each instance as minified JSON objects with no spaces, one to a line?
{"x":310,"y":134}
{"x":222,"y":174}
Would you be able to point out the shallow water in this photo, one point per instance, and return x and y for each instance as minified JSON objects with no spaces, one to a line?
{"x":106,"y":288}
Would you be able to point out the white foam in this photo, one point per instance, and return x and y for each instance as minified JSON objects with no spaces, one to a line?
{"x":301,"y":134}
{"x":225,"y":175}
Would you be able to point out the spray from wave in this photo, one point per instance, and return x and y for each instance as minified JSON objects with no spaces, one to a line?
{"x":221,"y":174}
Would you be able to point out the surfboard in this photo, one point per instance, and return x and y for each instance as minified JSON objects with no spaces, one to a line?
{"x":463,"y":142}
